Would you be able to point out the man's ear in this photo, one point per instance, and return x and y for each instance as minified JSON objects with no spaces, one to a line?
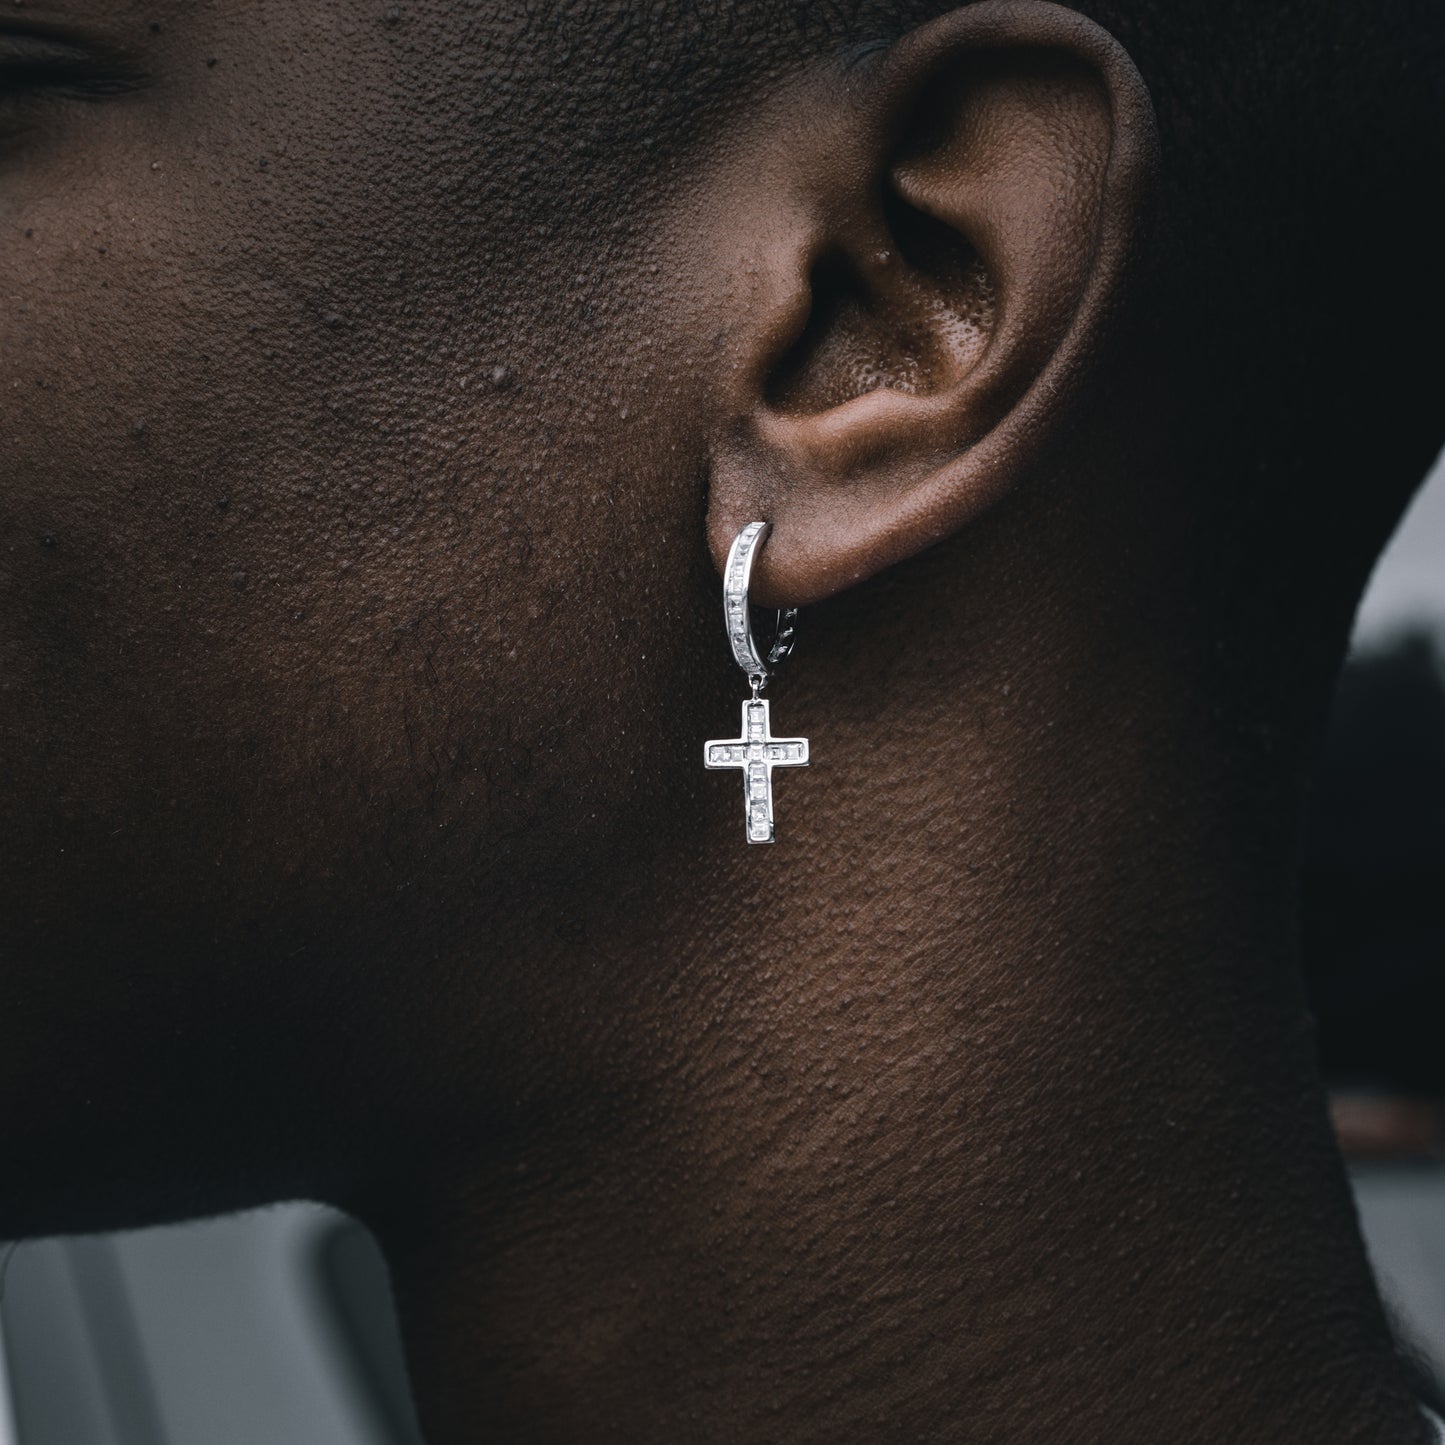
{"x":935,"y":240}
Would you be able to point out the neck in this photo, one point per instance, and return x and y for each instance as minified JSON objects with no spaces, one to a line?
{"x":989,"y":1120}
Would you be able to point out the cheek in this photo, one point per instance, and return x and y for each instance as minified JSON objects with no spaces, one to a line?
{"x":340,"y":563}
{"x":342,"y":542}
{"x":306,"y":585}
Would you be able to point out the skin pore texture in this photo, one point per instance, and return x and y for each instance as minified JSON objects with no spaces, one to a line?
{"x":380,"y":389}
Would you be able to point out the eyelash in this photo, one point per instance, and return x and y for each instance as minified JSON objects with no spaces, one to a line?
{"x":33,"y":63}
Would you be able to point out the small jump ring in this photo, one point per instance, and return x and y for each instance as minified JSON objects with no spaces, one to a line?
{"x":748,"y":653}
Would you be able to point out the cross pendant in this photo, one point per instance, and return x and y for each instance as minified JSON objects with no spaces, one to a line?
{"x":757,"y":753}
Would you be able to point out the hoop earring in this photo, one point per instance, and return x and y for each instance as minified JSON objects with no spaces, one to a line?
{"x":757,"y":752}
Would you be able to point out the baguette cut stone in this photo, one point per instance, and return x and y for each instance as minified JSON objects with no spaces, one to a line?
{"x":756,"y":753}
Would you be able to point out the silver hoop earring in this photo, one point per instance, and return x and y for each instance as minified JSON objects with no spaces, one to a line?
{"x":757,"y":752}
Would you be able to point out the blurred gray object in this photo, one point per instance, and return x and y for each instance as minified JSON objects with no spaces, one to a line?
{"x":270,"y":1328}
{"x":1407,"y":589}
{"x":1402,"y":1216}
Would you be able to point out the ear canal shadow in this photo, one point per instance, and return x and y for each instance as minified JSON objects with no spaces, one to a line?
{"x":914,"y":323}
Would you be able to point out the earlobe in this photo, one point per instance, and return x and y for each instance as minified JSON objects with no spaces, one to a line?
{"x":953,"y":279}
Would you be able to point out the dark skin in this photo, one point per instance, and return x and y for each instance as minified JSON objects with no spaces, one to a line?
{"x":372,"y":436}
